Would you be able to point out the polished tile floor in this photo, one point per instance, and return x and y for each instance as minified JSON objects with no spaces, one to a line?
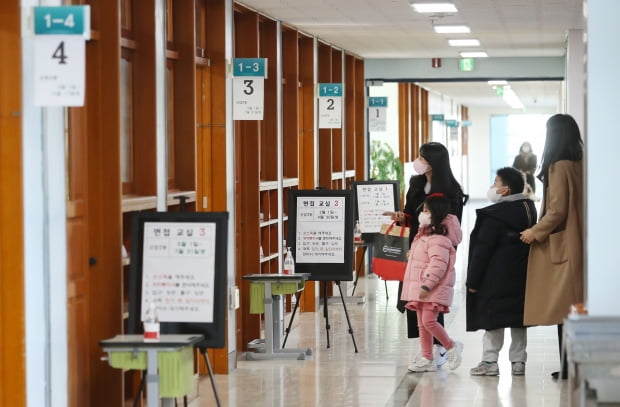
{"x":377,"y":375}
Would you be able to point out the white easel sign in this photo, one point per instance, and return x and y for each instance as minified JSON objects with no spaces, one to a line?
{"x":372,"y":201}
{"x":377,"y":113}
{"x":60,"y":57}
{"x":249,"y":88}
{"x":178,"y":271}
{"x":330,"y":105}
{"x":320,"y":230}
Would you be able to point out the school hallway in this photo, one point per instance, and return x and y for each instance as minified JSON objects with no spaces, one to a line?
{"x":378,"y":375}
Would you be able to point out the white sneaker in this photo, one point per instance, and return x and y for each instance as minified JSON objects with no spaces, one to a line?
{"x":439,"y":355}
{"x":423,"y":365}
{"x":414,"y":360}
{"x":454,"y":355}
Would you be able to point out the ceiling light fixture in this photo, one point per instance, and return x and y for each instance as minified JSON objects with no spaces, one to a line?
{"x":474,"y":54}
{"x":512,"y":99}
{"x":434,"y":7}
{"x":497,"y":82}
{"x":465,"y":42}
{"x":451,"y":29}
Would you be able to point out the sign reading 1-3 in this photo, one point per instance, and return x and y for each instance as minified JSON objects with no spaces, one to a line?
{"x":60,"y":35}
{"x":377,"y":113}
{"x":330,"y":105}
{"x":249,"y":88}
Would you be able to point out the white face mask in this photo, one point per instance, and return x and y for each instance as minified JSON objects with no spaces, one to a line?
{"x":526,"y":149}
{"x":424,"y":218}
{"x":493,"y":195}
{"x":420,"y":167}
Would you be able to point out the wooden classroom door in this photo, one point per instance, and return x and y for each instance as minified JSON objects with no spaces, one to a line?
{"x":77,"y":260}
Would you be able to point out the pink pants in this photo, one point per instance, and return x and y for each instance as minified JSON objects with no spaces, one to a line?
{"x":429,"y":328}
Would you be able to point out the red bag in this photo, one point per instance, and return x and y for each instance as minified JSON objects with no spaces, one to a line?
{"x":389,"y":253}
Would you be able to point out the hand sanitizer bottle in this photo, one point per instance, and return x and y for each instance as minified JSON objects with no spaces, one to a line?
{"x":289,"y":262}
{"x":151,"y":324}
{"x":357,"y":232}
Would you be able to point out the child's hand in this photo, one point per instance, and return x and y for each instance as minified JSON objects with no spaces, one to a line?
{"x":527,"y":236}
{"x":423,"y":294}
{"x":472,"y":290}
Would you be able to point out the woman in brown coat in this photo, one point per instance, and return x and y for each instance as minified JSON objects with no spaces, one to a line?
{"x":555,"y":266}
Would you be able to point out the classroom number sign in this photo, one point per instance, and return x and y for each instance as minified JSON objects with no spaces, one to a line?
{"x":249,"y":88}
{"x":60,"y":57}
{"x":330,"y":105}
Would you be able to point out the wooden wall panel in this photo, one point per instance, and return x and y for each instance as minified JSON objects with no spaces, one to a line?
{"x":184,"y":106}
{"x":290,"y":104}
{"x":247,"y":147}
{"x":214,"y":153}
{"x":269,"y":124}
{"x":360,"y":120}
{"x":144,"y":98}
{"x":104,"y":197}
{"x":12,"y":313}
{"x":350,"y":113}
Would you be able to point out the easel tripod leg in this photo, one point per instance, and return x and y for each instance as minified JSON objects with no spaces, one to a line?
{"x":208,"y":363}
{"x":325,"y":313}
{"x":290,"y":323}
{"x":346,"y":312}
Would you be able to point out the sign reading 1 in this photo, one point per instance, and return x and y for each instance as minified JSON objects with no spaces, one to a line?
{"x":377,"y":113}
{"x":66,"y":20}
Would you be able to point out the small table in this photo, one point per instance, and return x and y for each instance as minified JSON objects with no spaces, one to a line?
{"x":137,"y":343}
{"x":272,"y":344}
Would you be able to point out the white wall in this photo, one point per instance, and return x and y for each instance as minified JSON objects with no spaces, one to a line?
{"x":479,"y":147}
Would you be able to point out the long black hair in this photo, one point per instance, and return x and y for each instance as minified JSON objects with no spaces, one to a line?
{"x":442,"y":179}
{"x":563,"y":142}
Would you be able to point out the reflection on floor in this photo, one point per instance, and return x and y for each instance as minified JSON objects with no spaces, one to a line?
{"x":377,"y":375}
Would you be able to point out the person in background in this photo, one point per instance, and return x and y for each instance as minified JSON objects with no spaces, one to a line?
{"x":555,"y":278}
{"x":435,"y":175}
{"x":496,"y":272}
{"x":526,"y":162}
{"x":428,"y":285}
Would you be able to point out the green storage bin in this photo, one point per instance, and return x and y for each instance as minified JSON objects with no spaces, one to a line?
{"x":176,"y":369}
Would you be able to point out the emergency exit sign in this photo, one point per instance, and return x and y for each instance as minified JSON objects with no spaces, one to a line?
{"x":466,"y":64}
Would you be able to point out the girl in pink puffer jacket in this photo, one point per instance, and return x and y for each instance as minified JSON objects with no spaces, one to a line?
{"x":428,"y":286}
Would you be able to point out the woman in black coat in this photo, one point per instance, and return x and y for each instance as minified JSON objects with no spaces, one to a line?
{"x":433,"y":165}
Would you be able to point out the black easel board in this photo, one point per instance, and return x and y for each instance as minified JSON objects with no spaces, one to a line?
{"x":179,"y":263}
{"x":320,"y":233}
{"x":372,"y":198}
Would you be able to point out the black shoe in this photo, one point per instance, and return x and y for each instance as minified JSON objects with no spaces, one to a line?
{"x":556,"y":375}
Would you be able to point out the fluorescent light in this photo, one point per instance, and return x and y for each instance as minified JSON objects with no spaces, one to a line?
{"x":451,"y":29}
{"x":465,"y":42}
{"x":512,"y":99}
{"x":498,"y":82}
{"x":474,"y":54}
{"x":434,"y":7}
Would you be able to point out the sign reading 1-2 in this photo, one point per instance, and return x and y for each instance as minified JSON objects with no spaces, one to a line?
{"x":60,"y":34}
{"x":330,"y":105}
{"x":377,"y":113}
{"x":248,"y":88}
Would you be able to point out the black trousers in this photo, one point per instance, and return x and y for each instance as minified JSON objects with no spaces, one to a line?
{"x":564,"y":367}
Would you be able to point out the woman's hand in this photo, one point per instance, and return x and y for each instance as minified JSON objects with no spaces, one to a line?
{"x":396,"y":216}
{"x":527,"y":236}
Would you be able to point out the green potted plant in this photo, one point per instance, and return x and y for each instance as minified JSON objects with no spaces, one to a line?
{"x":385,"y":164}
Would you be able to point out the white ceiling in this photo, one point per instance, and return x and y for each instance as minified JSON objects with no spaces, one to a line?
{"x":391,"y":29}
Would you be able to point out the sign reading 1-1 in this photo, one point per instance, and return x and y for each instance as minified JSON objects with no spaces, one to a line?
{"x":249,"y":88}
{"x":59,"y":60}
{"x":377,"y":113}
{"x":330,"y":105}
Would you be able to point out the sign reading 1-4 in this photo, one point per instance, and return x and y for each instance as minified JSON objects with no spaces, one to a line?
{"x":249,"y":88}
{"x":330,"y":105}
{"x":377,"y":113}
{"x":59,"y":60}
